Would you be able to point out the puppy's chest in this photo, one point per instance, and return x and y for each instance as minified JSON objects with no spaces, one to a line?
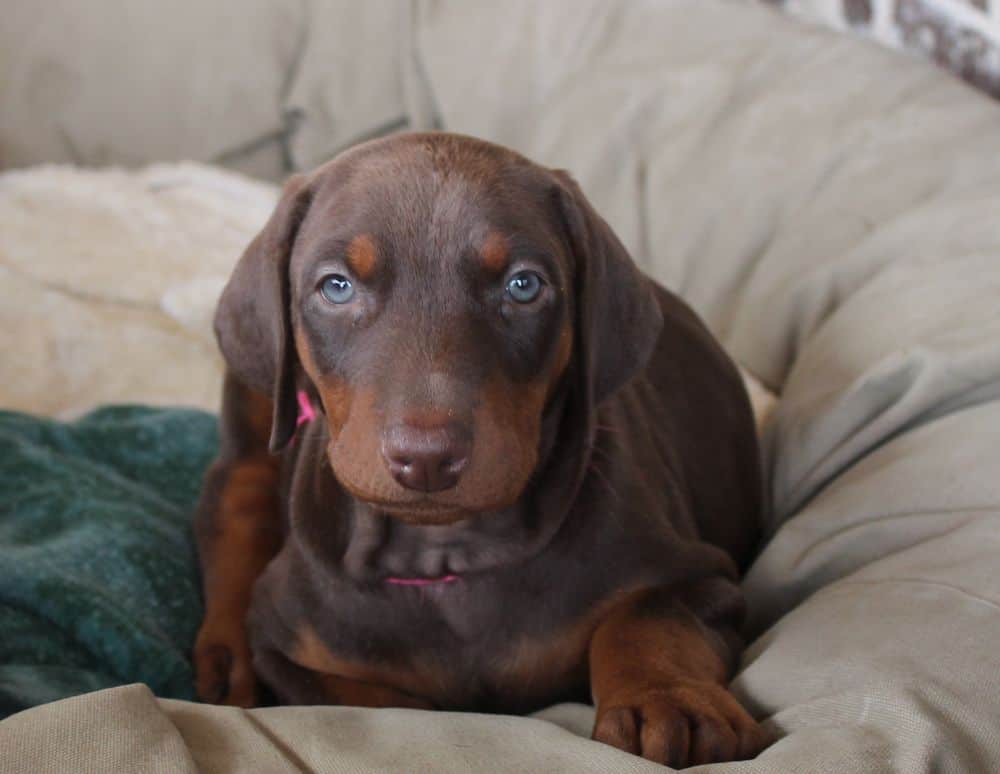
{"x":461,"y":645}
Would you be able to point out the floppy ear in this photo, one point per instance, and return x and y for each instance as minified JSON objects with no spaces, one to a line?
{"x":618,"y":315}
{"x":252,"y":321}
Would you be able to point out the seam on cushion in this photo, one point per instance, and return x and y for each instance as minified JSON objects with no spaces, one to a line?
{"x":251,"y":146}
{"x":82,"y":296}
{"x":381,"y":130}
{"x":158,"y":318}
{"x":750,"y":262}
{"x":909,"y":582}
{"x":941,"y":190}
{"x":954,"y":403}
{"x":834,"y":165}
{"x":288,"y":121}
{"x":291,"y":117}
{"x":279,"y":745}
{"x":985,"y":510}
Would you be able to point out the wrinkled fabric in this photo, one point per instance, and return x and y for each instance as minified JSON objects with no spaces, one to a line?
{"x":838,"y":232}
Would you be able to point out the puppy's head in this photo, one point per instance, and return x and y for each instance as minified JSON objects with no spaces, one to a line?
{"x":437,"y":293}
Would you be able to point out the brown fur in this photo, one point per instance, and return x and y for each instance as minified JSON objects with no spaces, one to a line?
{"x":608,"y":489}
{"x":243,"y":536}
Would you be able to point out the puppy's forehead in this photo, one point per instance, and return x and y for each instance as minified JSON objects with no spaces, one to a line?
{"x":435,"y":196}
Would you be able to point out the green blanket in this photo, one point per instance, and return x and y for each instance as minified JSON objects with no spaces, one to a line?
{"x":98,"y":579}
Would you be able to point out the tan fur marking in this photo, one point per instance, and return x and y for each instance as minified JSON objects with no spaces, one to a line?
{"x":630,"y":650}
{"x":248,"y":531}
{"x":427,"y":419}
{"x":310,"y":652}
{"x":335,"y":394}
{"x":546,"y":664}
{"x":362,"y":256}
{"x":495,"y":252}
{"x":337,"y":397}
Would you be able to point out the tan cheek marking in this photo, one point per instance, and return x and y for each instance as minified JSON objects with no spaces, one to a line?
{"x":355,"y":448}
{"x":305,"y":355}
{"x":337,"y":397}
{"x":362,"y":255}
{"x":508,"y":422}
{"x":494,"y":252}
{"x":334,"y":392}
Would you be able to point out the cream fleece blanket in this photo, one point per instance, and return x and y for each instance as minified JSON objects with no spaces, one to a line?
{"x":108,"y":280}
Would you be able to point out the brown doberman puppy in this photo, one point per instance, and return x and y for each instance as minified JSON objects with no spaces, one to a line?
{"x":532,"y":476}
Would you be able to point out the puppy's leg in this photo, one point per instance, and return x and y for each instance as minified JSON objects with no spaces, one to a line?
{"x":294,"y":684}
{"x":238,"y":531}
{"x":658,"y":677}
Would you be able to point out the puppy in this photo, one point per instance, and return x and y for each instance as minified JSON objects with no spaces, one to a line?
{"x":473,"y":459}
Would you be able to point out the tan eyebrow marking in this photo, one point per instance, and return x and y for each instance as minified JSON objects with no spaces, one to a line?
{"x":494,"y":252}
{"x":362,"y":254}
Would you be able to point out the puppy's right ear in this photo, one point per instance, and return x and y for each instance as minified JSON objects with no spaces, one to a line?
{"x":252,"y":321}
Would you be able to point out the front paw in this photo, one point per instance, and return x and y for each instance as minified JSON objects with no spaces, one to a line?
{"x":685,"y":723}
{"x":223,"y":666}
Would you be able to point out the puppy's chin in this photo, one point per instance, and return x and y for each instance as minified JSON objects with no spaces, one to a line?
{"x":424,"y":515}
{"x":422,"y":509}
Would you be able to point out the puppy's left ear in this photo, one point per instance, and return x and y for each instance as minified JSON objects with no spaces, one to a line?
{"x":253,"y":322}
{"x":618,"y":315}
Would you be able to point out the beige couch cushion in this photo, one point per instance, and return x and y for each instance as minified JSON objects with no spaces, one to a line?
{"x":118,"y":84}
{"x":348,"y":84}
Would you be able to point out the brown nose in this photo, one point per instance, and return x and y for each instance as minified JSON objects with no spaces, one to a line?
{"x":428,"y":460}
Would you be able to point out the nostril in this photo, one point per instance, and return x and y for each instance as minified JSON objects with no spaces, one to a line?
{"x":452,"y":465}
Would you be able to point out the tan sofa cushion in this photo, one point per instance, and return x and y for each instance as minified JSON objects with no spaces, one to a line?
{"x":119,"y":84}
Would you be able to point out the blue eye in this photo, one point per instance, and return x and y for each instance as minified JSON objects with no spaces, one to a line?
{"x":337,"y":289}
{"x":524,"y":287}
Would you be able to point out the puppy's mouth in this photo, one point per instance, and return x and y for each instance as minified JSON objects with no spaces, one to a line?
{"x":422,"y":510}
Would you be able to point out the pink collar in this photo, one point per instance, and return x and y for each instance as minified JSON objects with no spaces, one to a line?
{"x":422,"y":581}
{"x":306,"y":411}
